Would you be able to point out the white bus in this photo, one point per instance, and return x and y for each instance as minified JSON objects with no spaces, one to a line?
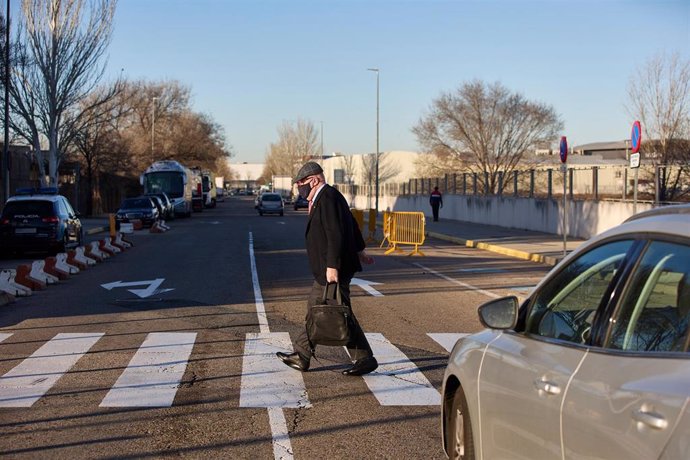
{"x":173,"y":178}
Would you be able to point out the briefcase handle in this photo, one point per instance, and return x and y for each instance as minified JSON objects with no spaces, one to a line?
{"x":337,"y":297}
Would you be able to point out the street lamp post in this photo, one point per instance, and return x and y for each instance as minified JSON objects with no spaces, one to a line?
{"x":377,"y":137}
{"x":153,"y":126}
{"x":6,"y":146}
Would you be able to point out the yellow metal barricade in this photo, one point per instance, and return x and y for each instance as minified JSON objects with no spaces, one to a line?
{"x":372,"y":226}
{"x":407,"y":228}
{"x":358,"y":214}
{"x":387,"y":217}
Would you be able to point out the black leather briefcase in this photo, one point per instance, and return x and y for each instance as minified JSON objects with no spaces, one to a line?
{"x":328,"y":323}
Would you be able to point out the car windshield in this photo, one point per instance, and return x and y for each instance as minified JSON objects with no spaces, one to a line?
{"x":136,"y":203}
{"x":270,"y":198}
{"x":24,"y":209}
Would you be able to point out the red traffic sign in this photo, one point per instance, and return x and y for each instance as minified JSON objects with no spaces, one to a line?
{"x":636,"y":137}
{"x":564,"y":149}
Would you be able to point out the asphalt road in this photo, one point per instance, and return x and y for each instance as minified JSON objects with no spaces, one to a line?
{"x":88,"y":372}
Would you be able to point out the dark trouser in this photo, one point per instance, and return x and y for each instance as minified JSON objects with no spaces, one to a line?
{"x":434,"y":208}
{"x":358,"y":346}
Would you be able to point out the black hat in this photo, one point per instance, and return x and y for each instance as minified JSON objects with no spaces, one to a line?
{"x":310,"y":168}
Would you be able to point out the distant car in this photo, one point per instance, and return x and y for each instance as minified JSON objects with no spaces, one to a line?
{"x":594,"y":364}
{"x":270,"y":203}
{"x":242,"y":192}
{"x":141,"y":208}
{"x":220,"y":194}
{"x":168,"y":206}
{"x":300,"y":203}
{"x":39,"y":220}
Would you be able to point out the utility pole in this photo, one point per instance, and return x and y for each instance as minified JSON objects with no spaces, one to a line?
{"x":153,"y":126}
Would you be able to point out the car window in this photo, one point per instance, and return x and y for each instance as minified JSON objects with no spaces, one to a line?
{"x":28,"y":209}
{"x":565,"y":306}
{"x":655,"y":310}
{"x":68,"y":207}
{"x":270,"y":198}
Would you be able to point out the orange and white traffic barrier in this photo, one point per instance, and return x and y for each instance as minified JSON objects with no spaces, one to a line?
{"x":10,"y":286}
{"x":61,"y":263}
{"x":118,"y":242}
{"x":23,"y":277}
{"x":38,"y":272}
{"x":92,"y":251}
{"x":78,"y":257}
{"x":156,"y":228}
{"x":51,"y":269}
{"x":105,"y":246}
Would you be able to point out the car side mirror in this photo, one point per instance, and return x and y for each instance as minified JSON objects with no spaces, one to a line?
{"x":499,"y":313}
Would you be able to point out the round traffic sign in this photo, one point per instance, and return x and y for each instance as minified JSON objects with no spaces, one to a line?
{"x":636,"y":137}
{"x":564,"y":149}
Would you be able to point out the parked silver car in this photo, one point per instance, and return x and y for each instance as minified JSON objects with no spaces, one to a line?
{"x":268,"y":203}
{"x":594,"y":364}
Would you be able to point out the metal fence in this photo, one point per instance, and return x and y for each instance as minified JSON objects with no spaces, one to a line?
{"x":583,"y":183}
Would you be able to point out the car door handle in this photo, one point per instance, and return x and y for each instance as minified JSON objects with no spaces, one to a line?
{"x":547,"y":387}
{"x":651,"y":419}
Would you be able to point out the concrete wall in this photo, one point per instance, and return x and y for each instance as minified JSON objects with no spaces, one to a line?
{"x":585,"y":218}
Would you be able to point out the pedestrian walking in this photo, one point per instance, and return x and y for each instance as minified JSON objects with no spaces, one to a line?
{"x":436,"y":201}
{"x":336,"y":251}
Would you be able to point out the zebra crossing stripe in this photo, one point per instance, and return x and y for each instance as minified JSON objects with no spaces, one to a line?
{"x":447,"y":340}
{"x":267,"y":381}
{"x":27,"y":382}
{"x":4,"y":335}
{"x":397,"y":381}
{"x":154,"y":374}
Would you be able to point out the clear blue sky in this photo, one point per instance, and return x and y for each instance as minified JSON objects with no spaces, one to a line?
{"x":253,"y":64}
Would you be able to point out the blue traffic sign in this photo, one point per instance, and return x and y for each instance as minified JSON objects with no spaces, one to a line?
{"x":564,"y":149}
{"x":636,"y":137}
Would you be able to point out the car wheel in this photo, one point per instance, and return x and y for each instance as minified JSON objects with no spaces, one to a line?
{"x":281,"y":213}
{"x":459,"y":441}
{"x":261,"y":213}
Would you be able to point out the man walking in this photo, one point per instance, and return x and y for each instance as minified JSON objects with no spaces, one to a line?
{"x":436,"y":201}
{"x":335,"y":249}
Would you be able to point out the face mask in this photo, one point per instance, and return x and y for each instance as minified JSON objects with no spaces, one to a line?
{"x":304,"y":190}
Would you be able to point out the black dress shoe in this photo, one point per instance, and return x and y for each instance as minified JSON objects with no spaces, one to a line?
{"x":294,"y":360}
{"x":362,"y":366}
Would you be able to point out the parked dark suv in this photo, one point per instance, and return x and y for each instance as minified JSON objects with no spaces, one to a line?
{"x":39,"y":220}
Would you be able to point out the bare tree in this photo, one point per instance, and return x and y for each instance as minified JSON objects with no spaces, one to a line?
{"x":488,"y":128}
{"x":60,"y":64}
{"x":659,"y":96}
{"x":297,"y":143}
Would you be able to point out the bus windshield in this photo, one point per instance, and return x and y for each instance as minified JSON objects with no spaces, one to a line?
{"x":169,"y":182}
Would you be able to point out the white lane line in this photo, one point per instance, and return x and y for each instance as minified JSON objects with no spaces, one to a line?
{"x":459,"y":283}
{"x":4,"y":335}
{"x":27,"y":382}
{"x":266,"y":381}
{"x":154,"y":374}
{"x":282,"y":448}
{"x":260,"y":309}
{"x":447,"y":339}
{"x":397,"y":381}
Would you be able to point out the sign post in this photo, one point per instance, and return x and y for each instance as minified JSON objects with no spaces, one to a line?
{"x":564,"y":167}
{"x":635,"y":141}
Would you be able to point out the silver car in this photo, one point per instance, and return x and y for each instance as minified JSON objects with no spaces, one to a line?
{"x":270,"y":203}
{"x":594,"y":364}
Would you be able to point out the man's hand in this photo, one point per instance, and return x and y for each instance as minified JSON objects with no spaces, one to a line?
{"x":331,"y":275}
{"x":365,"y":258}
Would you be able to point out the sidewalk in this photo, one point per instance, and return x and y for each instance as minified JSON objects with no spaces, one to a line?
{"x":539,"y":247}
{"x":523,"y":244}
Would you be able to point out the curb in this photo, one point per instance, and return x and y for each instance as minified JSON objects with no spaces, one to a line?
{"x":524,"y":255}
{"x":93,"y":231}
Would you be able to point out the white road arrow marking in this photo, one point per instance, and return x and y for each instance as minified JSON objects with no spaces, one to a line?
{"x":143,"y":293}
{"x":366,"y":285}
